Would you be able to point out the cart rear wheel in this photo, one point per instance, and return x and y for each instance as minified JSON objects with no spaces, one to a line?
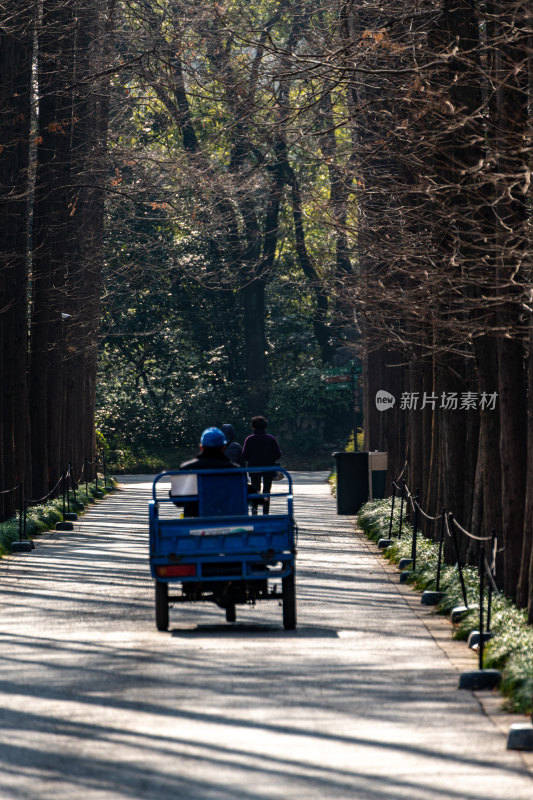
{"x":231,"y":615}
{"x":289,"y":602}
{"x":161,"y":605}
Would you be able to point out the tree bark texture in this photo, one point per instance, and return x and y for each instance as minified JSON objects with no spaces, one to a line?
{"x":16,"y":51}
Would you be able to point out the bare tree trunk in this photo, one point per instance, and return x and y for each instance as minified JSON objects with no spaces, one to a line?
{"x":415,"y":429}
{"x":509,"y":129}
{"x":16,"y":50}
{"x":489,"y":438}
{"x":320,"y":328}
{"x":50,"y":241}
{"x":528,"y":516}
{"x":254,"y":332}
{"x":513,"y":410}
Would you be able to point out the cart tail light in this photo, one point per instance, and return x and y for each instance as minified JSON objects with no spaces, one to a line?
{"x":176,"y":571}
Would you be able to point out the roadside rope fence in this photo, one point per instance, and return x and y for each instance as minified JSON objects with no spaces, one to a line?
{"x":449,"y":529}
{"x":10,"y":491}
{"x":67,"y":489}
{"x":20,"y":490}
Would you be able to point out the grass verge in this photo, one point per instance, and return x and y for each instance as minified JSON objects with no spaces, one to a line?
{"x":511,"y":648}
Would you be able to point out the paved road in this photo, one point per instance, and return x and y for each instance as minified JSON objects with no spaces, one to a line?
{"x":359,"y":702}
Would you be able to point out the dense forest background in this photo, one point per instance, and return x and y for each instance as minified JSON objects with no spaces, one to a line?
{"x":221,"y":249}
{"x":205,"y":206}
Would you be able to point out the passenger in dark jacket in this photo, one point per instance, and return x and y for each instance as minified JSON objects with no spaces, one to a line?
{"x":233,"y":449}
{"x":261,"y":450}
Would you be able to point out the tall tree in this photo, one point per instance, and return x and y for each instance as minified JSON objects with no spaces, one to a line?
{"x":16,"y":54}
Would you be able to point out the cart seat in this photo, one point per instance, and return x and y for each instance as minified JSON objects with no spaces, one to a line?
{"x":221,"y":494}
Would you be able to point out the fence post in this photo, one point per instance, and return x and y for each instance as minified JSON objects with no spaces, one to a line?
{"x":441,"y":543}
{"x":85,"y":463}
{"x":72,"y":483}
{"x":433,"y":597}
{"x":401,"y":510}
{"x":458,"y":557}
{"x":63,"y":488}
{"x":71,"y":516}
{"x":21,"y":510}
{"x":480,"y":678}
{"x":493,"y":573}
{"x":23,"y":545}
{"x":96,"y":471}
{"x":481,"y":592}
{"x":415,"y":530}
{"x":105,"y":471}
{"x":392,"y":508}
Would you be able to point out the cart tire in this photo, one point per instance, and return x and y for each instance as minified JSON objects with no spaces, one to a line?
{"x":161,"y":606}
{"x":231,"y":615}
{"x":289,"y":602}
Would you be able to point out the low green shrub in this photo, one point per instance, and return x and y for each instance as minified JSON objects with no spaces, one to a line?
{"x":510,"y":649}
{"x":126,"y":461}
{"x":374,"y":518}
{"x":9,"y":532}
{"x":43,"y":517}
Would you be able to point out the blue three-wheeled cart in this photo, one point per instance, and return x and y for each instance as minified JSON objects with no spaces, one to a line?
{"x":227,"y":554}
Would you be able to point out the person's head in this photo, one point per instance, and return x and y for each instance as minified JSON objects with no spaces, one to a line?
{"x":228,"y":431}
{"x":212,"y":441}
{"x":259,"y":423}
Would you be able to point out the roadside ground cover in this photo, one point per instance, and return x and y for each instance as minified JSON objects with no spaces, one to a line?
{"x":510,"y":651}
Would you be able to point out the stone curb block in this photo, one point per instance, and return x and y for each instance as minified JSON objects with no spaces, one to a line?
{"x":22,"y":547}
{"x":480,"y":679}
{"x":520,"y":736}
{"x":458,"y":613}
{"x":384,"y":543}
{"x":474,"y":638}
{"x":430,"y":598}
{"x":64,"y":526}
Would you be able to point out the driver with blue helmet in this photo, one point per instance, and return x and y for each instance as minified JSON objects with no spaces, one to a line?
{"x":211,"y":456}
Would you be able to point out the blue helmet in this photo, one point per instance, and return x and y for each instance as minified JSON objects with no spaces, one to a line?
{"x":213,"y":437}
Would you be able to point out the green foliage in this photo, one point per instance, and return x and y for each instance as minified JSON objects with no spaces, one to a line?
{"x":510,"y":649}
{"x":101,"y":441}
{"x":350,"y":448}
{"x":9,"y":532}
{"x":126,"y":461}
{"x":374,"y":519}
{"x":172,"y":360}
{"x":184,"y":240}
{"x":303,"y":412}
{"x":43,"y":517}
